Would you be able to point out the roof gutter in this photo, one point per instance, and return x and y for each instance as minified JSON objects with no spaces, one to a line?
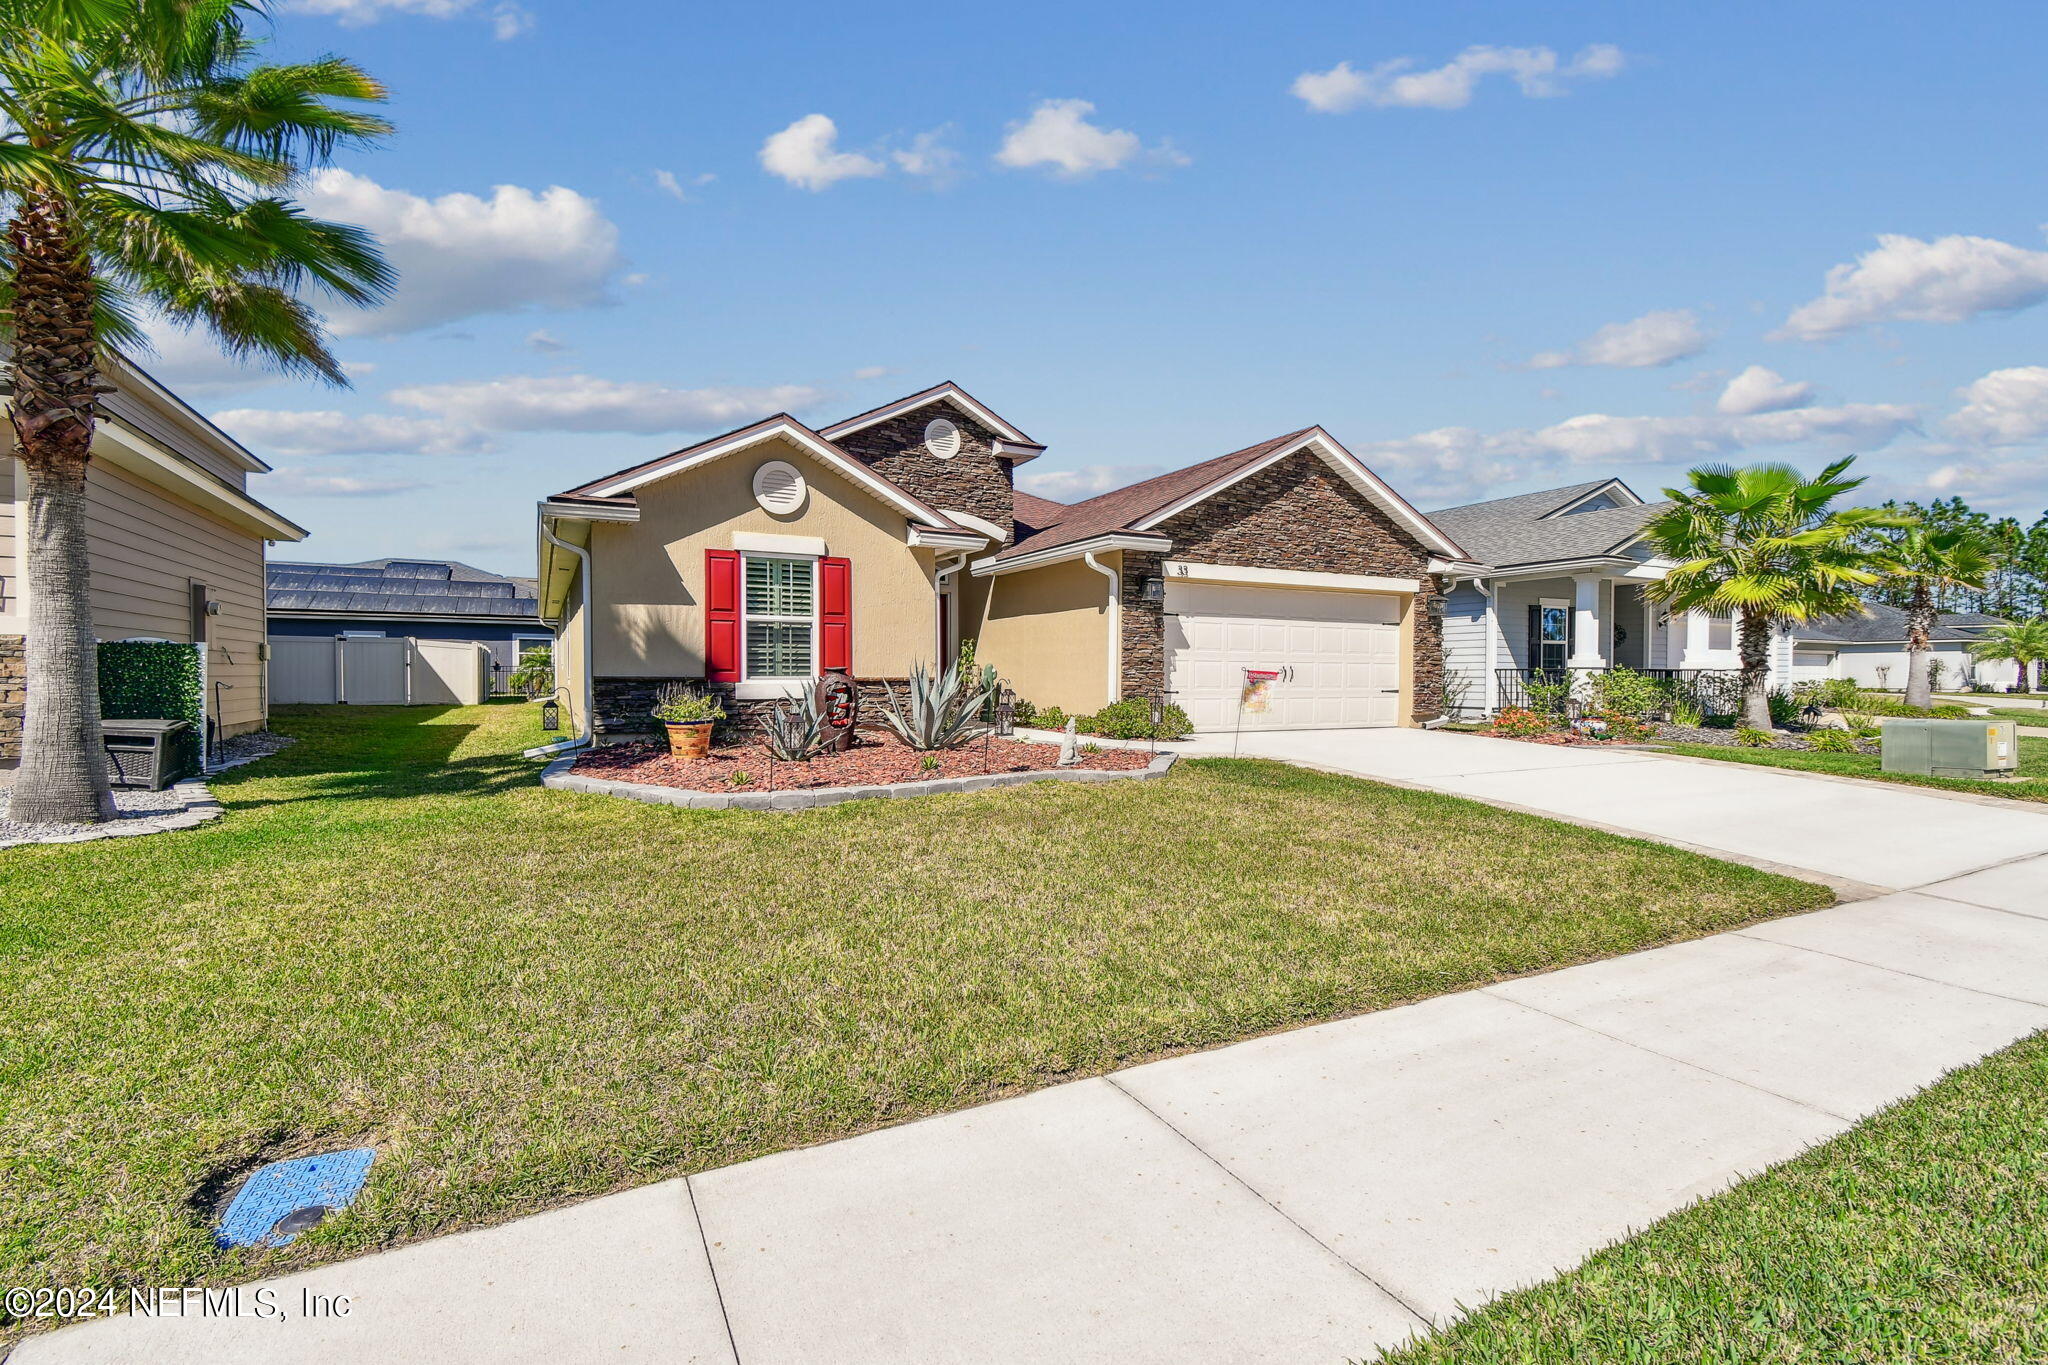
{"x":1078,"y":549}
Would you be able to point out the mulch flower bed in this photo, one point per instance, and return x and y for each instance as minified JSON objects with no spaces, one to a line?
{"x":871,"y":762}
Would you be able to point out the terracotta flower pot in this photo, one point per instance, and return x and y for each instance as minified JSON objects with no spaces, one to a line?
{"x":690,"y":739}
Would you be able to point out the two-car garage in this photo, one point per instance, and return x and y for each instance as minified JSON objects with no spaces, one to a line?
{"x":1278,"y":656}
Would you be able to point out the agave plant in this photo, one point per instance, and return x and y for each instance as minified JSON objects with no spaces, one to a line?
{"x":796,"y":728}
{"x":943,"y":710}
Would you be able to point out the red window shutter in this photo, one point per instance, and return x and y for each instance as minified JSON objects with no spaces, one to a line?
{"x":835,"y":614}
{"x":722,"y":616}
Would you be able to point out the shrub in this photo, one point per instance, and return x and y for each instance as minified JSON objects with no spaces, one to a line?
{"x":1749,"y":737}
{"x":1892,"y":706}
{"x":942,"y":711}
{"x":1623,"y":691}
{"x":1629,"y":726}
{"x":1786,"y":706}
{"x":1685,"y":711}
{"x":1950,"y":712}
{"x":1833,"y":742}
{"x":1519,"y":722}
{"x":1023,"y":712}
{"x":1131,"y":718}
{"x":795,"y":729}
{"x":1051,"y":718}
{"x":535,"y":673}
{"x":1551,"y":698}
{"x":681,"y":704}
{"x":1840,"y":694}
{"x":740,"y":778}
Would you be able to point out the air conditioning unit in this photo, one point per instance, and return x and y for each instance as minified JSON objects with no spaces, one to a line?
{"x":1952,"y":748}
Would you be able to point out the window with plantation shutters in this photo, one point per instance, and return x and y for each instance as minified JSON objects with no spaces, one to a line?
{"x":781,"y":616}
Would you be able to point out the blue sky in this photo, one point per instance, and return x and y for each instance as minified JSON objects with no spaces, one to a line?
{"x":1490,"y":248}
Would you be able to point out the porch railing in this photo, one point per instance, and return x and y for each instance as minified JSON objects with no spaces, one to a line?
{"x":1568,"y":691}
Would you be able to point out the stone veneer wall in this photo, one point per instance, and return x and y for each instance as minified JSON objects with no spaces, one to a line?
{"x":13,"y":694}
{"x":972,"y":481}
{"x":1297,"y":514}
{"x":622,"y":704}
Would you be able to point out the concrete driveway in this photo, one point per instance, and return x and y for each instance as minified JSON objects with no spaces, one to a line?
{"x":1885,"y":836}
{"x":1300,"y":1197}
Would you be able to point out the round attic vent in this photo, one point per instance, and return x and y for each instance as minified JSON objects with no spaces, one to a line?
{"x":942,"y":438}
{"x":779,"y":488}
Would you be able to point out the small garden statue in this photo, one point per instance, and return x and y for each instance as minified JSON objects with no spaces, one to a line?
{"x":1070,"y":752}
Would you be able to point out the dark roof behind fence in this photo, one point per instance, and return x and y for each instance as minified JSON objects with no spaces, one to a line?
{"x":400,"y":587}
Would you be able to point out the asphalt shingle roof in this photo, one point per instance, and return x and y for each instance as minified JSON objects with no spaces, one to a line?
{"x":1513,"y":531}
{"x":400,"y":587}
{"x":1887,"y":625}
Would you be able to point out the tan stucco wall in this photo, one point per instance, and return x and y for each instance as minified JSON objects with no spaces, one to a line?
{"x":10,"y":564}
{"x":568,"y":655}
{"x":648,"y":579}
{"x":1047,"y":632}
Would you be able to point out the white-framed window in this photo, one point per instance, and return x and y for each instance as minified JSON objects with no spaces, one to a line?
{"x":1812,"y":658}
{"x":778,"y":620}
{"x":522,"y":643}
{"x":1721,"y":632}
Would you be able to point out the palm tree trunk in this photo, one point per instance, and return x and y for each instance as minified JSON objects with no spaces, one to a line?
{"x":1919,"y":645}
{"x":63,"y":777}
{"x":1755,"y":650}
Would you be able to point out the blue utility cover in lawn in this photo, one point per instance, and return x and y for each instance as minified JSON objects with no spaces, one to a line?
{"x":313,"y":1184}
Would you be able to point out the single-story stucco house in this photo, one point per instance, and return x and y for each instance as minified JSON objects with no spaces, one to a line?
{"x":176,"y":546}
{"x":426,"y":599}
{"x":756,"y":559}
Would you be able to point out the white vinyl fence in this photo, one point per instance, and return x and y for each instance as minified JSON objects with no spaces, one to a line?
{"x":377,"y":671}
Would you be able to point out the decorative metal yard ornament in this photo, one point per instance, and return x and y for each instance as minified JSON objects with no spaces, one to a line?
{"x":1070,"y":747}
{"x":839,"y":703}
{"x":551,"y":714}
{"x":1006,"y":712}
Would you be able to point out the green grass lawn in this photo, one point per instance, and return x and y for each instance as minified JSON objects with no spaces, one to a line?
{"x":2033,"y":767}
{"x":1919,"y":1236}
{"x":2020,"y":716}
{"x":525,"y":997}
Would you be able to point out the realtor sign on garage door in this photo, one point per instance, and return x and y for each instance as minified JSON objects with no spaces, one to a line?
{"x":1334,"y":657}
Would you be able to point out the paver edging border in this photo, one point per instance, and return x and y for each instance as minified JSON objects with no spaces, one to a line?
{"x":199,"y":806}
{"x":557,"y":776}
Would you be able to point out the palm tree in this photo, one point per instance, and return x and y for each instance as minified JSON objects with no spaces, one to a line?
{"x":2024,"y":642}
{"x":1928,"y":563}
{"x":145,"y":161}
{"x":1767,"y":544}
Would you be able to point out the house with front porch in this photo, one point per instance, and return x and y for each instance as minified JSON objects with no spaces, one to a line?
{"x":1560,"y":592}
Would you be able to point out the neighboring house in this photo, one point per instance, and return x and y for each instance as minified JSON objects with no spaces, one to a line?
{"x":176,"y":546}
{"x":426,"y":599}
{"x":1562,"y":587}
{"x":754,"y":560}
{"x":1859,"y":647}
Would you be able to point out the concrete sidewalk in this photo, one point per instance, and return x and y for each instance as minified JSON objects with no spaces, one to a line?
{"x":1299,"y":1197}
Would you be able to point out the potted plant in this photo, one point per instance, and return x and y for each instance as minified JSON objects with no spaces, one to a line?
{"x":688,"y":714}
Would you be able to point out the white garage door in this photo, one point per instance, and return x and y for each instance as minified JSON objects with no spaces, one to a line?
{"x":1338,"y":655}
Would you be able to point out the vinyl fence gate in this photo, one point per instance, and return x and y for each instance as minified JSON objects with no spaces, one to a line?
{"x":377,"y":671}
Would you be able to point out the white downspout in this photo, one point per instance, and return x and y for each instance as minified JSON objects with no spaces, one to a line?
{"x":939,"y":578}
{"x":589,"y":637}
{"x":1116,"y":623}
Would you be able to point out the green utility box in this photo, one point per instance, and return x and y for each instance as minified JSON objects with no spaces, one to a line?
{"x":1952,"y":748}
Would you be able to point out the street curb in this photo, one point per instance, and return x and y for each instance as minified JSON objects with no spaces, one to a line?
{"x":557,"y":776}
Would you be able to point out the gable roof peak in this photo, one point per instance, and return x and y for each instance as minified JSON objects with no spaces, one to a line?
{"x":946,"y":391}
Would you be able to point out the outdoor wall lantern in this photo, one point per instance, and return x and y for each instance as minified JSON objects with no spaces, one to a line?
{"x":551,"y":714}
{"x":1154,"y":590}
{"x":1006,"y":711}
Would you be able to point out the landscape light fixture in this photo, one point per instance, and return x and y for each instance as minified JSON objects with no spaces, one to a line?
{"x":551,"y":714}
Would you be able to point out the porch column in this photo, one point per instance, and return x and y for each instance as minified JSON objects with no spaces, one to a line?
{"x":1694,"y":643}
{"x":1586,"y":622}
{"x":1490,"y":623}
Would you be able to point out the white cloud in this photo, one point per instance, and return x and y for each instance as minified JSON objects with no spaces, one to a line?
{"x":546,"y":342}
{"x":341,"y":433}
{"x":1394,"y":85}
{"x":1074,"y":485}
{"x":1059,"y":136}
{"x":806,"y":154}
{"x":460,"y":255}
{"x":928,"y":155}
{"x":1650,"y":340}
{"x":873,"y":372}
{"x":1453,"y":462}
{"x":298,"y":483}
{"x":1757,"y":389}
{"x":671,"y":184}
{"x":2005,"y":407}
{"x":582,"y":402}
{"x":1950,"y":279}
{"x":508,"y":20}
